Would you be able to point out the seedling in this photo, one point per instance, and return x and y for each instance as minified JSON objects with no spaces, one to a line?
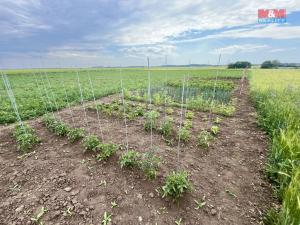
{"x":217,"y":120}
{"x":106,"y":151}
{"x":149,"y":164}
{"x":113,"y":204}
{"x":199,"y":205}
{"x":214,"y":130}
{"x":169,"y":111}
{"x":106,"y":218}
{"x":166,"y":127}
{"x":188,"y":124}
{"x":178,"y":222}
{"x":68,"y":212}
{"x":204,"y":138}
{"x":230,"y":193}
{"x":90,"y":143}
{"x":189,"y":115}
{"x":25,"y":137}
{"x":129,"y":159}
{"x":151,"y":120}
{"x":37,"y":219}
{"x":176,"y":184}
{"x":103,"y":183}
{"x":184,"y":134}
{"x":74,"y":134}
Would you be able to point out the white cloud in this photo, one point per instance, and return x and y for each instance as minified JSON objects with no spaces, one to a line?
{"x":19,"y":19}
{"x":155,"y":24}
{"x":151,"y":51}
{"x":233,"y":49}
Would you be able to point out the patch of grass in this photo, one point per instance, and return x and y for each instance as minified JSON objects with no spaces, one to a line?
{"x":90,"y":143}
{"x":176,"y":184}
{"x":129,"y":159}
{"x":25,"y":137}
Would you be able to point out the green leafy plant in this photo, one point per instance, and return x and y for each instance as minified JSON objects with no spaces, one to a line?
{"x":129,"y":159}
{"x":199,"y":204}
{"x":169,"y":111}
{"x":215,"y":130}
{"x":61,"y":129}
{"x":37,"y":219}
{"x":90,"y":143}
{"x":204,"y":138}
{"x":106,"y":151}
{"x":176,"y":184}
{"x":106,"y":218}
{"x":184,"y":134}
{"x":166,"y":127}
{"x":149,"y":164}
{"x":217,"y":120}
{"x":188,"y":124}
{"x":151,"y":120}
{"x":25,"y":137}
{"x":178,"y":222}
{"x":75,"y":134}
{"x":189,"y":115}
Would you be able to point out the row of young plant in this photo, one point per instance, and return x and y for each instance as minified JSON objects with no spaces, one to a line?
{"x":176,"y":183}
{"x":118,"y":109}
{"x":166,"y":128}
{"x":25,"y":137}
{"x":279,"y":115}
{"x":216,"y":101}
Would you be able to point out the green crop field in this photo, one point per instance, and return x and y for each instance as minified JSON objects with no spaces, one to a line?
{"x":40,"y":91}
{"x":276,"y":94}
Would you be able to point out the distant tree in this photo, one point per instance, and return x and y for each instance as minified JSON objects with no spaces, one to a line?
{"x":239,"y":65}
{"x":270,"y":64}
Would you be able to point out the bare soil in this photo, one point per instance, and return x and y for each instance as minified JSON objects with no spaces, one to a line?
{"x":228,"y":176}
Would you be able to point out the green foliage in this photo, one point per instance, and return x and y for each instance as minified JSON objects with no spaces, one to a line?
{"x":106,"y":151}
{"x":189,"y":115}
{"x":151,"y":120}
{"x":25,"y":137}
{"x":214,"y":130}
{"x":176,"y":184}
{"x":106,"y":218}
{"x":271,"y":218}
{"x":217,"y":120}
{"x":90,"y":143}
{"x":167,"y":127}
{"x":270,"y":64}
{"x":239,"y":65}
{"x":204,"y":138}
{"x":129,"y":159}
{"x":169,"y":111}
{"x":149,"y":164}
{"x":56,"y":126}
{"x":184,"y":134}
{"x":188,"y":124}
{"x":75,"y":134}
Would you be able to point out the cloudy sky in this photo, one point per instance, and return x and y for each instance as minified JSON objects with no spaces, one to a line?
{"x":43,"y":33}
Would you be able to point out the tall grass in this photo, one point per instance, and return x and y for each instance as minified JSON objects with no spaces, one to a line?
{"x":276,"y":94}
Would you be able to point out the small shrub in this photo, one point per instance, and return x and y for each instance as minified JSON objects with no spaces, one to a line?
{"x":129,"y":159}
{"x":169,"y":111}
{"x":189,"y":115}
{"x":184,"y":134}
{"x":166,"y":127}
{"x":151,"y":120}
{"x":188,"y":124}
{"x":25,"y":137}
{"x":74,"y":134}
{"x":90,"y":143}
{"x":215,"y":130}
{"x":176,"y":184}
{"x":106,"y":150}
{"x":61,"y":129}
{"x":204,"y":138}
{"x":150,"y":164}
{"x":50,"y":122}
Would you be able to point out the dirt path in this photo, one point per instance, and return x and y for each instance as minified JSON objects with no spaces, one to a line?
{"x":229,"y":177}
